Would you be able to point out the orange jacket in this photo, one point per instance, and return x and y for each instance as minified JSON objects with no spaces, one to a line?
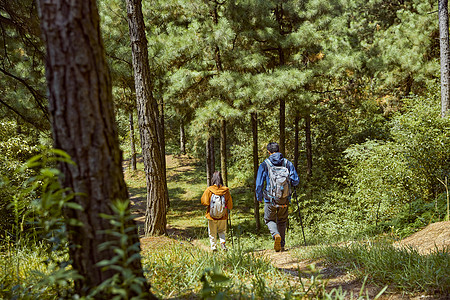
{"x":222,"y":190}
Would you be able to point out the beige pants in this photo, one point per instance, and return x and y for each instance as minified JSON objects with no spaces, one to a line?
{"x":216,"y":227}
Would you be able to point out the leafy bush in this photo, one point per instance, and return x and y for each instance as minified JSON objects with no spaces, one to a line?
{"x":16,"y":149}
{"x":384,"y":176}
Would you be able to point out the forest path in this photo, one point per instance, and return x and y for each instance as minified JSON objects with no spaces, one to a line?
{"x":335,"y":275}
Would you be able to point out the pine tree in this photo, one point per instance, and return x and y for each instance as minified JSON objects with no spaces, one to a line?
{"x":445,"y":57}
{"x":149,"y":125}
{"x":79,"y":82}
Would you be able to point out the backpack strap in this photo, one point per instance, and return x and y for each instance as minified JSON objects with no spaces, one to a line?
{"x":265,"y":194}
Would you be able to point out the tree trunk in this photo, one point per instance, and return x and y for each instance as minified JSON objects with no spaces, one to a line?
{"x":133,"y":163}
{"x":212,"y":165}
{"x":254,"y":120}
{"x":209,"y":159}
{"x":163,"y":151}
{"x":223,"y":151}
{"x":182,"y":138}
{"x":296,"y":134}
{"x":308,"y":146}
{"x":282,"y":126}
{"x":445,"y":57}
{"x":83,"y":125}
{"x":163,"y":136}
{"x":223,"y":137}
{"x":149,"y":127}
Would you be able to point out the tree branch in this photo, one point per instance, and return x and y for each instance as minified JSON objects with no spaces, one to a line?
{"x":26,"y":119}
{"x":36,"y":95}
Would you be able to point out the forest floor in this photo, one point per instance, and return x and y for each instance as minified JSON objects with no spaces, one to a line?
{"x":434,"y":236}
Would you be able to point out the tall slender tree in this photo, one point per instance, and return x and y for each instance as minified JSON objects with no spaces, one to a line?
{"x":83,"y":125}
{"x":149,"y":125}
{"x":445,"y":57}
{"x":254,"y":122}
{"x":133,"y":159}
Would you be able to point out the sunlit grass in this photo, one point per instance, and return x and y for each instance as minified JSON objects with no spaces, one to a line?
{"x":402,"y":268}
{"x":176,"y":272}
{"x":22,"y":269}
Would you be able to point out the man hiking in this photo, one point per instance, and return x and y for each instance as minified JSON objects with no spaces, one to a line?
{"x":279,"y":174}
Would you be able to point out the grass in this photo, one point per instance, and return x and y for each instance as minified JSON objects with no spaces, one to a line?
{"x":24,"y":273}
{"x":178,"y":268}
{"x":403,"y":269}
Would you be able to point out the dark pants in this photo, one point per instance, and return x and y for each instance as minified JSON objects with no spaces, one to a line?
{"x":276,"y":220}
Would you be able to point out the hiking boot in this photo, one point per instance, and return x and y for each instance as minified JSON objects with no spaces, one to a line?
{"x":277,"y":243}
{"x":224,"y":248}
{"x":283,"y":249}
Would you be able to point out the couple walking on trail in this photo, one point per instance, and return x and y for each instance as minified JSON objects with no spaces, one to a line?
{"x":279,"y":175}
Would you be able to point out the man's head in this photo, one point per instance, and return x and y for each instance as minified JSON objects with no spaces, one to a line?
{"x":273,"y":147}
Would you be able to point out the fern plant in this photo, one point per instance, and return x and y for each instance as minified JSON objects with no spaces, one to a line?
{"x":124,"y":282}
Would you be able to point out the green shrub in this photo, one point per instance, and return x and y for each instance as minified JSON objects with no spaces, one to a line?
{"x":384,"y":176}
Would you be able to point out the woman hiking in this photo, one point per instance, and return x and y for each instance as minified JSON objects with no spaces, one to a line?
{"x":217,"y":199}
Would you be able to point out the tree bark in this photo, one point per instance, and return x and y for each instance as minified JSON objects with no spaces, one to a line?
{"x":182,"y":138}
{"x":283,"y":126}
{"x":83,"y":125}
{"x":308,"y":146}
{"x":254,"y":121}
{"x":223,"y":136}
{"x":163,"y":150}
{"x":133,"y":163}
{"x":149,"y":124}
{"x":445,"y":57}
{"x":223,"y":151}
{"x":210,"y":159}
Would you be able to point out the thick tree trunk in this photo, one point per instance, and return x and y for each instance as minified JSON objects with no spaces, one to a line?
{"x":82,"y":116}
{"x":182,"y":138}
{"x":149,"y":126}
{"x":283,"y":126}
{"x":223,"y":151}
{"x":254,"y":120}
{"x":308,"y":146}
{"x":445,"y":57}
{"x":296,"y":134}
{"x":133,"y":163}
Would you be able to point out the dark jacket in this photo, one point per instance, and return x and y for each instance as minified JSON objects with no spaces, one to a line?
{"x":263,"y":174}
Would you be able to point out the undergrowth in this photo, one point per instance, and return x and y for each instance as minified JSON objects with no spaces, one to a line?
{"x":403,"y":268}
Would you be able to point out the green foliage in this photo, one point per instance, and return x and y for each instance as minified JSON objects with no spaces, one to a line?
{"x":42,"y":269}
{"x":15,"y":195}
{"x":123,"y":284}
{"x":37,"y":263}
{"x":383,"y":176}
{"x":22,"y":83}
{"x":212,"y":280}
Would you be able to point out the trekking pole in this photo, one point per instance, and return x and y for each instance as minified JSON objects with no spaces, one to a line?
{"x":300,"y":216}
{"x":231,"y":228}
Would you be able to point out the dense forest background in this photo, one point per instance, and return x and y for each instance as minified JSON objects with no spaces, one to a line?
{"x":350,"y":89}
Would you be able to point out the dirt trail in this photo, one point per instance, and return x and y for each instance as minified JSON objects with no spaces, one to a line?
{"x":434,"y":236}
